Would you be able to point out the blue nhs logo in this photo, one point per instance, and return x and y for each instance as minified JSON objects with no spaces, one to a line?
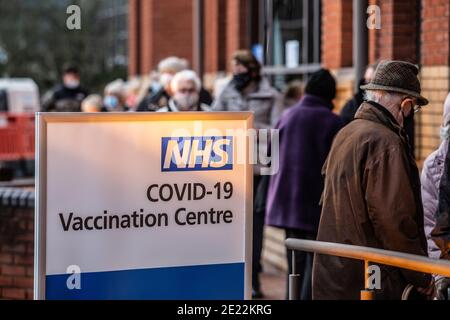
{"x":196,"y":153}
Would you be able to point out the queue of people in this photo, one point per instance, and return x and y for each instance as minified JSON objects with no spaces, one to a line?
{"x":349,"y":179}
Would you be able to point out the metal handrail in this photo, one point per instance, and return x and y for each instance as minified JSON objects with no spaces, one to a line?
{"x":367,"y":254}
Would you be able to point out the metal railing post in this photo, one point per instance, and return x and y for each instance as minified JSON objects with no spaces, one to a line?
{"x":294,"y":280}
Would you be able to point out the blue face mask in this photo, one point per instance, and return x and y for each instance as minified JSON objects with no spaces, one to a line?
{"x":156,"y":86}
{"x":445,"y":132}
{"x":111,"y":102}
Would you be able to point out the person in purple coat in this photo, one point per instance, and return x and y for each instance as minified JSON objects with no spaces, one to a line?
{"x":306,"y":134}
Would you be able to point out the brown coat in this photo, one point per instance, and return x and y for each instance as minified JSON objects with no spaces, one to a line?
{"x":371,"y":198}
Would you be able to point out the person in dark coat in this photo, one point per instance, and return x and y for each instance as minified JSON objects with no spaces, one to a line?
{"x":66,"y":97}
{"x":372,"y":190}
{"x":248,"y":90}
{"x":306,"y":134}
{"x":349,"y":110}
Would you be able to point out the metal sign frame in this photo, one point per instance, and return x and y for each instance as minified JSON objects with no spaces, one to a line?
{"x":42,"y":121}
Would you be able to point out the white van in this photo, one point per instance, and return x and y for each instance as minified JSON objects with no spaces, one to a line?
{"x":19,"y":95}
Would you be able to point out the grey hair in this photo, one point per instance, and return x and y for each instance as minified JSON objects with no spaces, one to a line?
{"x":186,"y":75}
{"x":117,"y":87}
{"x":173,"y":64}
{"x":385,"y":98}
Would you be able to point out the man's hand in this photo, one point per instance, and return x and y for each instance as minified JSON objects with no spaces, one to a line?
{"x":441,"y":290}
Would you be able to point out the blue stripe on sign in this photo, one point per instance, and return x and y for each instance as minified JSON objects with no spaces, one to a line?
{"x":205,"y":282}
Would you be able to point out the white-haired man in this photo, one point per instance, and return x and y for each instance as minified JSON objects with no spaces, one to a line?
{"x":185,"y":87}
{"x":372,"y":194}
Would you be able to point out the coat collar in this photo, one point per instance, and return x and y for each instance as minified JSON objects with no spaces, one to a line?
{"x":375,"y":112}
{"x":172,"y":107}
{"x":310,"y":100}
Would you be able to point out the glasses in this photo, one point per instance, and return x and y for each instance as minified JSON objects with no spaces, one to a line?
{"x":417,"y":108}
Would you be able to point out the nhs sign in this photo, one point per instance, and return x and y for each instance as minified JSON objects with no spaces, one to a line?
{"x":196,"y":153}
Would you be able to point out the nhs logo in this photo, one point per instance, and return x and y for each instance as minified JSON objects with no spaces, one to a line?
{"x":196,"y":153}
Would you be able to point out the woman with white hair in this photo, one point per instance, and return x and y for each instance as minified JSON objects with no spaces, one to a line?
{"x":436,"y":201}
{"x":185,"y":87}
{"x":159,"y":95}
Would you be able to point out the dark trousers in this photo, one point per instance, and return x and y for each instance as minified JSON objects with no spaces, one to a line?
{"x":258,"y":231}
{"x":304,"y":262}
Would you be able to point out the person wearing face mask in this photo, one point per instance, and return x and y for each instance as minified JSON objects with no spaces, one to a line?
{"x":306,"y":134}
{"x":349,"y":110}
{"x":436,"y":201}
{"x":115,"y":95}
{"x":185,"y":87}
{"x":160,"y":92}
{"x":68,"y":96}
{"x":372,"y":193}
{"x":249,"y":91}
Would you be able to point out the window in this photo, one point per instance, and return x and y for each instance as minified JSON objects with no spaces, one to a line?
{"x":292,"y":39}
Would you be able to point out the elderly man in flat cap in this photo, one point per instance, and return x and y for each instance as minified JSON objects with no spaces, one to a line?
{"x":372,"y":190}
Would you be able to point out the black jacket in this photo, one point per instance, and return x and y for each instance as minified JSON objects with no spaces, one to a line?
{"x":63,"y":99}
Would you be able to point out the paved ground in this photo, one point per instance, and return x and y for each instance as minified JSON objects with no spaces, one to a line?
{"x":273,"y":284}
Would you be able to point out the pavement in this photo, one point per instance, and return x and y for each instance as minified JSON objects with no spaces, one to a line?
{"x":273,"y":283}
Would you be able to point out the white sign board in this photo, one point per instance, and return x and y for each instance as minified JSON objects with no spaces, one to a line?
{"x":143,"y":206}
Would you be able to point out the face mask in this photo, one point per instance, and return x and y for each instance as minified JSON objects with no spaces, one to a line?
{"x":445,"y":132}
{"x":111,"y":102}
{"x":409,"y":120}
{"x":185,"y":101}
{"x":156,"y":86}
{"x":241,"y":80}
{"x":72,"y":84}
{"x":165,"y":79}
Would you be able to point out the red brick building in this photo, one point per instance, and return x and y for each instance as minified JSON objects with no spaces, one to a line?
{"x":298,"y":36}
{"x":322,"y":31}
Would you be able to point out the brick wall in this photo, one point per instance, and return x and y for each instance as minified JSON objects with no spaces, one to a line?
{"x":435,"y":33}
{"x":236,"y":27}
{"x":435,"y":73}
{"x":337,"y":42}
{"x":16,"y":253}
{"x":398,"y":35}
{"x":337,"y":33}
{"x":159,"y":29}
{"x":215,"y":36}
{"x":397,"y":38}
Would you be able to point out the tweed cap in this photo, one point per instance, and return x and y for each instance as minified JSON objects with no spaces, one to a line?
{"x":397,"y":76}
